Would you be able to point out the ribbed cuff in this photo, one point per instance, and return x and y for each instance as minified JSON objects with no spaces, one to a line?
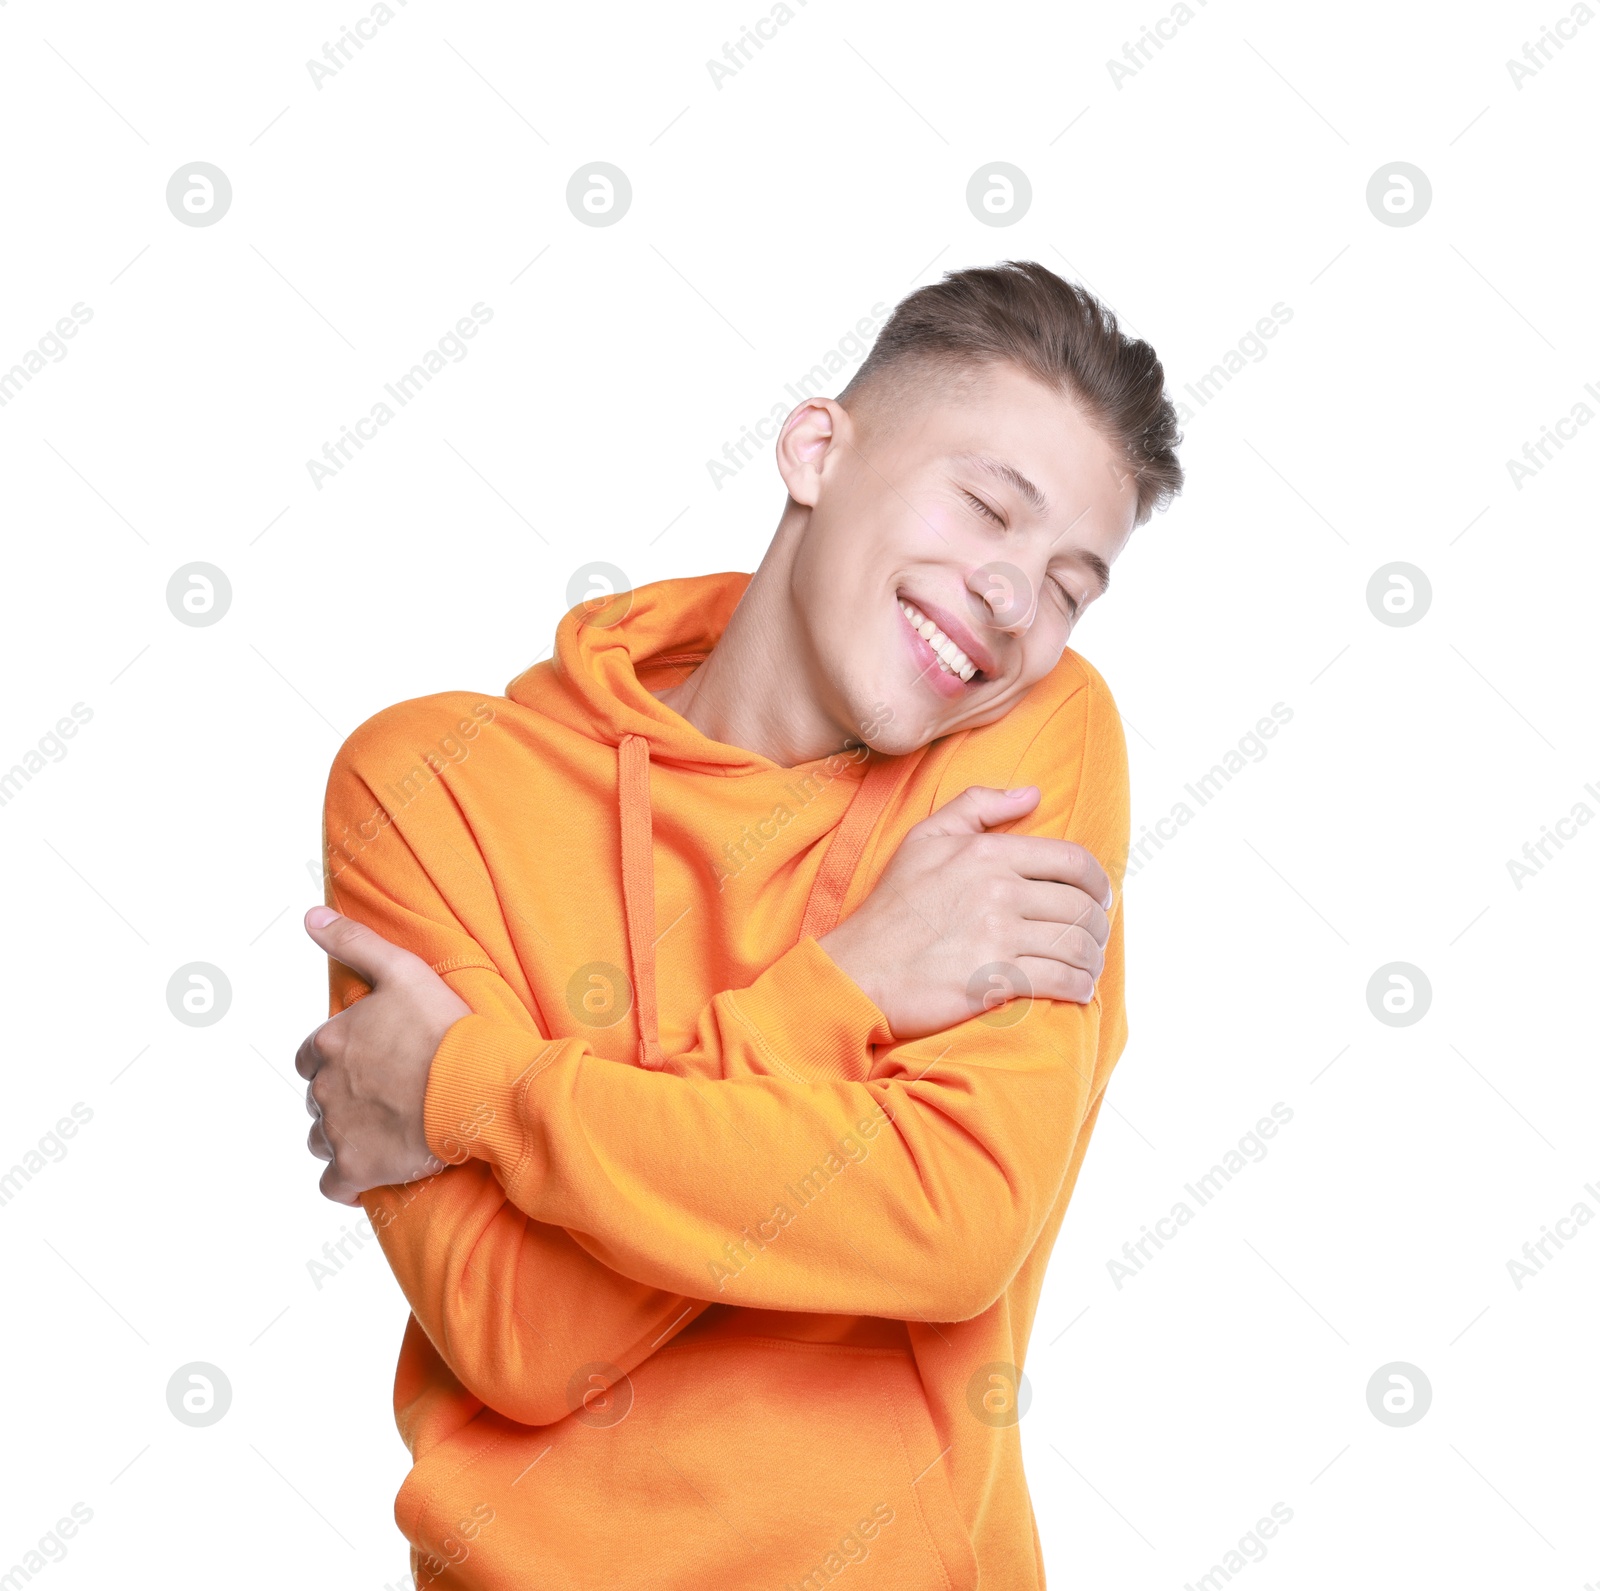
{"x":472,"y":1109}
{"x":810,"y":1019}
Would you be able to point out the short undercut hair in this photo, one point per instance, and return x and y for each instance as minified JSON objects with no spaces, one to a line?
{"x":1021,"y":313}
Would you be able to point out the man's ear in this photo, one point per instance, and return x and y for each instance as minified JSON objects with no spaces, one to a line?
{"x":814,"y":431}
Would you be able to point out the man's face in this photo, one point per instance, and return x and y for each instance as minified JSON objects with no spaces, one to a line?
{"x":953,"y":543}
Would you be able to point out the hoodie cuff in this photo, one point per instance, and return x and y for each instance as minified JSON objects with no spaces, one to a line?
{"x":809,"y":1019}
{"x":470,"y":1110}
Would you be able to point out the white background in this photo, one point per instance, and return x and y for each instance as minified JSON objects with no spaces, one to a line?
{"x":769,"y":214}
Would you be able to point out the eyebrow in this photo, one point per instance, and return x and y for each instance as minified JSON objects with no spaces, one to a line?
{"x":1092,"y":561}
{"x":1013,"y":478}
{"x":1097,"y":566}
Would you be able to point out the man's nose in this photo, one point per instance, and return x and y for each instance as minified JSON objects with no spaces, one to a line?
{"x":1009,"y":595}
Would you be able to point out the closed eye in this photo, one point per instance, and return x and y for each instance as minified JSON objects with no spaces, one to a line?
{"x":982,"y":507}
{"x":1067,"y":596}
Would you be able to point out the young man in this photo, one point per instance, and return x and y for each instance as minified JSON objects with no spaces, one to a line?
{"x":721,"y":1016}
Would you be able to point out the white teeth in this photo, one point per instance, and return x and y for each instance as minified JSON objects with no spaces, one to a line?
{"x":951,"y":658}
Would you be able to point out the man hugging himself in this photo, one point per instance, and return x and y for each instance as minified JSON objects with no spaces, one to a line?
{"x":720,"y":1016}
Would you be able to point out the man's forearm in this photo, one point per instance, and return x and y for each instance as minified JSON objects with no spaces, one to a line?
{"x":911,"y":1195}
{"x":514,"y":1305}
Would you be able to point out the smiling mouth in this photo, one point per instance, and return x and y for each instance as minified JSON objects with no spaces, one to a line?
{"x":946,"y":653}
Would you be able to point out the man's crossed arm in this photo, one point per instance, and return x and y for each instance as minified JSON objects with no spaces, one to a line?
{"x":543,"y":1255}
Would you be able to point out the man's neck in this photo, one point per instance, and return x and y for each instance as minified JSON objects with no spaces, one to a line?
{"x":759,"y":689}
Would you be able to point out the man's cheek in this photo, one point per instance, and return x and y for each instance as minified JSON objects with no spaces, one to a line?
{"x":934,"y":526}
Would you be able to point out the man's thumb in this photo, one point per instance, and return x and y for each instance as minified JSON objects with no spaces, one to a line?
{"x":979,"y":807}
{"x":370,"y":956}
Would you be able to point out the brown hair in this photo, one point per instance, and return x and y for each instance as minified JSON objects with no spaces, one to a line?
{"x":1022,"y":313}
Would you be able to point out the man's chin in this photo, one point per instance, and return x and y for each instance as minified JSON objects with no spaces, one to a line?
{"x":900,"y":719}
{"x":893,"y":730}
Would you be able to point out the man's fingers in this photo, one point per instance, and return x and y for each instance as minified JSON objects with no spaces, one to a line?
{"x":1058,"y":861}
{"x":326,"y":1043}
{"x":367,"y":954}
{"x":317,"y":1142}
{"x":1055,"y":980}
{"x":335,"y":1187}
{"x":977,"y":808}
{"x":1072,"y":947}
{"x":1043,"y":902}
{"x":306,"y":1059}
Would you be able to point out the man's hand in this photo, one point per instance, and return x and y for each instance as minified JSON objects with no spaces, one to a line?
{"x":368,"y":1067}
{"x":958,"y":914}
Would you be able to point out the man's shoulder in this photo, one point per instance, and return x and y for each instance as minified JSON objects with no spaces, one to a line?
{"x":1070,"y":713}
{"x":1065,"y":737}
{"x":422,"y":733}
{"x":1075,"y":675}
{"x":1104,"y":741}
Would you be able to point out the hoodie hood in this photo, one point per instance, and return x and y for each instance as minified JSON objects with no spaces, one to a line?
{"x":609,"y":657}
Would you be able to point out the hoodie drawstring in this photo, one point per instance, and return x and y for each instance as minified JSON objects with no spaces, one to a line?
{"x":639,"y":888}
{"x":639,"y":872}
{"x":848,"y":842}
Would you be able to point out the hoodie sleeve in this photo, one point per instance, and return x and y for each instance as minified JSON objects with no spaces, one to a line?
{"x":513,"y":1305}
{"x":516,"y":1304}
{"x":913,"y":1190}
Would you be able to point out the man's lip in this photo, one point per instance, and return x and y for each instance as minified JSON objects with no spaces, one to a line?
{"x":977,"y":652}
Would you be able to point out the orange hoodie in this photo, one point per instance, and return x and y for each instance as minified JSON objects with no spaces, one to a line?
{"x":722,"y":1286}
